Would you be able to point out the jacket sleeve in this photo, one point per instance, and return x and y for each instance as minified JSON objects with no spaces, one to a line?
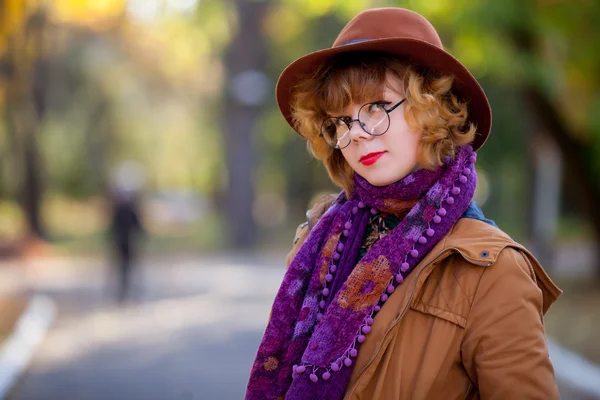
{"x":504,"y":350}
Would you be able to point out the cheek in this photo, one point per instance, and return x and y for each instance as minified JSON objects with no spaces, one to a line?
{"x":349,"y":154}
{"x":412,"y":139}
{"x":403,"y":136}
{"x":411,"y":146}
{"x":403,"y":142}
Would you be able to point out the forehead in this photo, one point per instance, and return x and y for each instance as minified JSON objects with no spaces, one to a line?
{"x":394,"y":85}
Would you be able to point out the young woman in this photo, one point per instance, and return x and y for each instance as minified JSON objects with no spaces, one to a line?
{"x":401,"y":289}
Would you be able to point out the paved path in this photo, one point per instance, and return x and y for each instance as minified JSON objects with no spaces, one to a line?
{"x":191,"y":334}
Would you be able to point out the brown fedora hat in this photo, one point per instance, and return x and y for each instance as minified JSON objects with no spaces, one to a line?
{"x":394,"y":31}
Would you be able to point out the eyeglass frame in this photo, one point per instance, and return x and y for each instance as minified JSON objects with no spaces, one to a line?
{"x":349,"y":122}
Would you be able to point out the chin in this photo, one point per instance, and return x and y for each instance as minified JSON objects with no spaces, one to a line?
{"x":384,"y":179}
{"x":380,"y":181}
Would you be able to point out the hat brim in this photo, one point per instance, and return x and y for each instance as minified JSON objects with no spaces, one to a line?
{"x":421,"y":52}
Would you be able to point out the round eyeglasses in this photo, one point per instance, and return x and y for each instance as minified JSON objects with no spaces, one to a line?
{"x":373,"y":118}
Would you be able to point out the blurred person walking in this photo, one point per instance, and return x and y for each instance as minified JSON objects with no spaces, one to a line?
{"x":399,"y":287}
{"x":125,"y":232}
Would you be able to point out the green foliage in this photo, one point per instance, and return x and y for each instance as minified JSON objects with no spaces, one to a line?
{"x":507,"y":45}
{"x":152,"y":93}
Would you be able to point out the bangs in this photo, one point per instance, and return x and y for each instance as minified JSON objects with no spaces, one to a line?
{"x":350,"y":79}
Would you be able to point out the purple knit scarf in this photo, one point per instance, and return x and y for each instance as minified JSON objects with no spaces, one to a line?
{"x":327,"y":302}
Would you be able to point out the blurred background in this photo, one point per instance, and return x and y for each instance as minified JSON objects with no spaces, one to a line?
{"x":156,"y":120}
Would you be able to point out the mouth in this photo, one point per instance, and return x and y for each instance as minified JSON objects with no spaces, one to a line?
{"x":371,"y":158}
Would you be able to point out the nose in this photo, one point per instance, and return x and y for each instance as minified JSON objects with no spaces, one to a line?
{"x":356,"y":131}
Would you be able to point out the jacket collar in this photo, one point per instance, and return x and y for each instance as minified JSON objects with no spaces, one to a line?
{"x":476,"y":241}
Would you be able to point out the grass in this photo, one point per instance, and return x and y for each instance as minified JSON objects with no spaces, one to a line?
{"x":187,"y":239}
{"x":11,"y":308}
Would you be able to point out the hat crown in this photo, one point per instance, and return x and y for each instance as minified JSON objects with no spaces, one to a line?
{"x":398,"y":32}
{"x":385,"y":23}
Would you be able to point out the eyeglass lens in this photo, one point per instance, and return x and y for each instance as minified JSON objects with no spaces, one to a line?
{"x":372,"y":118}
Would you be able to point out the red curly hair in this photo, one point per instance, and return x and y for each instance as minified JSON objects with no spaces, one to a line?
{"x":353,"y":78}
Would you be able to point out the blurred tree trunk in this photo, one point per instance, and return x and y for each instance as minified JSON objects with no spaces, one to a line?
{"x":32,"y":184}
{"x":9,"y":153}
{"x":575,"y":154}
{"x":26,"y":103}
{"x":546,"y":167}
{"x":98,"y":137}
{"x":26,"y":158}
{"x":245,"y":60}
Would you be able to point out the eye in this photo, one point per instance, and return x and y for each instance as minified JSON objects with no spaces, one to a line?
{"x":378,"y":106}
{"x":374,"y":110}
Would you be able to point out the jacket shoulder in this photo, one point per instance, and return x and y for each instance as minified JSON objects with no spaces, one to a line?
{"x":319,"y":208}
{"x":489,"y":242}
{"x":478,"y":241}
{"x":477,"y":247}
{"x":312,"y":217}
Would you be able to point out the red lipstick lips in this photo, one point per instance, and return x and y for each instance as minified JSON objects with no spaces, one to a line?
{"x":371,"y":158}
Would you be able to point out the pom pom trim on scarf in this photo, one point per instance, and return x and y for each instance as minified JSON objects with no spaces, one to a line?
{"x":311,"y":342}
{"x":346,"y":359}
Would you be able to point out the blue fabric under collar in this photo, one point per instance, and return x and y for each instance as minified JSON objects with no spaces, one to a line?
{"x":474,"y":212}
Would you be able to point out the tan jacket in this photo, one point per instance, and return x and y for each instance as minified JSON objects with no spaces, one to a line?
{"x":465,"y":324}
